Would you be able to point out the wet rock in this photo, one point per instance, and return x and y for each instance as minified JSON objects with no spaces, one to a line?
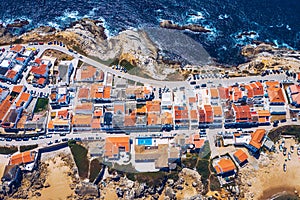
{"x":249,"y":183}
{"x":170,"y":182}
{"x":87,"y":189}
{"x":192,"y":27}
{"x":179,"y":187}
{"x":120,"y":192}
{"x":170,"y":193}
{"x":194,"y":184}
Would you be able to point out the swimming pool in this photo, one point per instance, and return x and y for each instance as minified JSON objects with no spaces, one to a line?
{"x":144,"y":141}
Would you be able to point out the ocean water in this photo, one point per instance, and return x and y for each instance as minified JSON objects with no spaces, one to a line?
{"x":274,"y":21}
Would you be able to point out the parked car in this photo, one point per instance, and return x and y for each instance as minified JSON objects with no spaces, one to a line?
{"x":294,"y":119}
{"x":284,"y":167}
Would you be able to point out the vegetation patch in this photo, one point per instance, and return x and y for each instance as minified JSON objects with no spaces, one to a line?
{"x":41,"y":105}
{"x":95,"y":168}
{"x":80,"y":156}
{"x":190,"y":161}
{"x":28,"y":147}
{"x":293,"y":130}
{"x":8,"y":150}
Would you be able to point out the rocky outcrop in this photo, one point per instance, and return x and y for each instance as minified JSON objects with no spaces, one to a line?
{"x":192,"y":27}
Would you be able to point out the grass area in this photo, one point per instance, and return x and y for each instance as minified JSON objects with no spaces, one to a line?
{"x":276,"y":133}
{"x":153,"y":178}
{"x":104,"y":62}
{"x":41,"y":104}
{"x":8,"y":150}
{"x":95,"y":168}
{"x":139,"y":84}
{"x":80,"y":63}
{"x":79,"y":50}
{"x":80,"y":156}
{"x":127,"y":65}
{"x":28,"y":147}
{"x":190,"y":161}
{"x":214,"y":183}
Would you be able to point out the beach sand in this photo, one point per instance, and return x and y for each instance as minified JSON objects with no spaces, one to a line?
{"x":57,"y":177}
{"x":265,"y":178}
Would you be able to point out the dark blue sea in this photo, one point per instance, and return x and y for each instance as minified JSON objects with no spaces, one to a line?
{"x":276,"y":21}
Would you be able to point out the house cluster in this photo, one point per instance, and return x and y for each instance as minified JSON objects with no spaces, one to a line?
{"x":14,"y":62}
{"x":244,"y":105}
{"x":18,"y":164}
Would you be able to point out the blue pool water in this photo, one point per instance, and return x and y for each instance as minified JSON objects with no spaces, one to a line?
{"x":145,"y":141}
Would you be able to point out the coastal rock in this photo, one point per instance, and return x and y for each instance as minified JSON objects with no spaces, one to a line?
{"x":192,"y":27}
{"x":170,"y":182}
{"x":17,"y":23}
{"x":169,"y":192}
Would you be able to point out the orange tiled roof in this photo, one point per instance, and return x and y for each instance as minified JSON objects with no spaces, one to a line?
{"x":23,"y":98}
{"x":11,"y":74}
{"x":18,"y":88}
{"x":201,"y":115}
{"x":223,"y":92}
{"x":23,"y":158}
{"x":98,"y":113}
{"x":209,"y":118}
{"x":192,"y":100}
{"x":119,"y":107}
{"x":181,"y":112}
{"x":40,"y":70}
{"x":106,"y":94}
{"x":153,"y":119}
{"x":214,"y":93}
{"x":4,"y":107}
{"x":38,"y":61}
{"x":96,"y":123}
{"x":276,"y":95}
{"x":83,"y":93}
{"x":242,"y":113}
{"x":236,"y":94}
{"x":84,"y":106}
{"x":166,"y":118}
{"x":112,"y":145}
{"x":20,"y":59}
{"x":88,"y":72}
{"x":263,"y":113}
{"x":240,"y":155}
{"x":257,"y":138}
{"x":195,"y":140}
{"x":82,"y":120}
{"x":130,"y":120}
{"x":225,"y":165}
{"x":193,"y":114}
{"x":272,"y":84}
{"x":295,"y":91}
{"x":153,"y":106}
{"x":17,"y":48}
{"x":63,"y":113}
{"x":50,"y":125}
{"x":217,"y":110}
{"x":141,"y":110}
{"x":41,"y":81}
{"x":97,"y":91}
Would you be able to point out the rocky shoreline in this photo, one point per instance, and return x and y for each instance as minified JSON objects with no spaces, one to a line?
{"x":192,"y":27}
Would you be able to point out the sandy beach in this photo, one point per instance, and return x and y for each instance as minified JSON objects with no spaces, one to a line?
{"x":264,"y":178}
{"x":58,"y":180}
